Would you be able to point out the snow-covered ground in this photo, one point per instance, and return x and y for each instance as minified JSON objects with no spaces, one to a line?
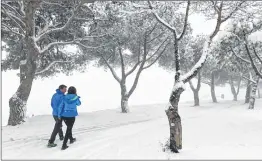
{"x":212,"y":131}
{"x":99,"y":90}
{"x":227,"y":130}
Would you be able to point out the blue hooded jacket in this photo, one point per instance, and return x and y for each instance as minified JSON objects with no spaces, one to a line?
{"x":68,"y":108}
{"x":56,"y":101}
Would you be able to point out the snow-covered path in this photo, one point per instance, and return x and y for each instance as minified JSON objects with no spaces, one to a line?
{"x":226,"y":130}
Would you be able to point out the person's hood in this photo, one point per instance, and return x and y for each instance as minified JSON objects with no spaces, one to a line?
{"x":58,"y":91}
{"x":71,"y":98}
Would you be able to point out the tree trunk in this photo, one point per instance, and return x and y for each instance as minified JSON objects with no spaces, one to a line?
{"x":124,"y":99}
{"x":175,"y":121}
{"x":258,"y":92}
{"x":248,"y":90}
{"x":196,"y":90}
{"x":196,"y":98}
{"x":213,"y":94}
{"x":253,"y":94}
{"x":17,"y":103}
{"x":233,"y":90}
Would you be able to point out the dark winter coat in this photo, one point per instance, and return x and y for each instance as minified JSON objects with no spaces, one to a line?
{"x":68,"y":107}
{"x":56,"y":101}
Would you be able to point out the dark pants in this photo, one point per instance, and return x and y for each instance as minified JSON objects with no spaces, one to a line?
{"x":57,"y":129}
{"x":69,"y":121}
{"x":60,"y":132}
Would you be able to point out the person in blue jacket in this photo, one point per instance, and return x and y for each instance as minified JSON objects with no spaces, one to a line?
{"x":68,"y":112}
{"x":56,"y":100}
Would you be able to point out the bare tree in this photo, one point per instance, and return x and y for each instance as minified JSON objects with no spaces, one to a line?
{"x":178,"y":88}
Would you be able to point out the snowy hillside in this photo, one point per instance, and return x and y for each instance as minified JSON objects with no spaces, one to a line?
{"x":226,"y":130}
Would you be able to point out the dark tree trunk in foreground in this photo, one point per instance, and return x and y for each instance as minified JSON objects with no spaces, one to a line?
{"x":17,"y":102}
{"x":213,"y":93}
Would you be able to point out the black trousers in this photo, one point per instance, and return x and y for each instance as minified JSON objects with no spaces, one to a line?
{"x":69,"y":121}
{"x":57,"y":129}
{"x":60,"y":132}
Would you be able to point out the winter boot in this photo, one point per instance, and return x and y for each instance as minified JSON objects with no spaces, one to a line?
{"x":61,"y":138}
{"x":51,"y":145}
{"x":72,"y":140}
{"x":64,"y":147}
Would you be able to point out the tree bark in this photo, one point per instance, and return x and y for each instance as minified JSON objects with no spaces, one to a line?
{"x":175,"y":121}
{"x":258,"y":92}
{"x":196,"y":90}
{"x":17,"y":103}
{"x":248,"y":90}
{"x":213,"y":94}
{"x":253,"y":94}
{"x":124,"y":99}
{"x":233,"y":90}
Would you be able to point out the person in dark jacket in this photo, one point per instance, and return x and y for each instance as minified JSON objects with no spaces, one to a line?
{"x":55,"y":103}
{"x":68,"y":112}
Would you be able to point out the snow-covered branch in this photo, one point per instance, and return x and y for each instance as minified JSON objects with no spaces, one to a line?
{"x":255,"y":52}
{"x":16,"y":20}
{"x":239,"y":57}
{"x":54,"y":44}
{"x":251,"y":80}
{"x":252,"y":61}
{"x":13,"y":9}
{"x":10,"y":30}
{"x":189,"y":75}
{"x":50,"y":65}
{"x":160,"y":19}
{"x":64,"y":27}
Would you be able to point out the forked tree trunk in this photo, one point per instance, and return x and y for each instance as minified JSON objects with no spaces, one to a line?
{"x":213,"y":94}
{"x":248,"y":90}
{"x":253,"y":94}
{"x":17,"y":103}
{"x":196,"y":90}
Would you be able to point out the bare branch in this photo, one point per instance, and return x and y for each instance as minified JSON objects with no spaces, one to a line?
{"x":234,"y":11}
{"x":138,"y":61}
{"x":185,"y":21}
{"x":160,"y":54}
{"x":122,"y":63}
{"x":111,"y":69}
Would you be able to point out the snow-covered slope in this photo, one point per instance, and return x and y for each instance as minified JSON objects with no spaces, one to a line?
{"x":227,"y":130}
